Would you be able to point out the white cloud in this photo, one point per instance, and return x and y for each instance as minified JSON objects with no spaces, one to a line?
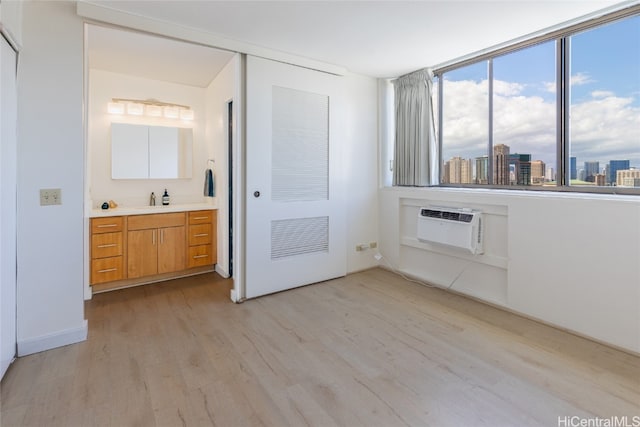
{"x":604,"y":127}
{"x":507,"y":89}
{"x":580,"y":79}
{"x":550,"y":87}
{"x":602,"y":94}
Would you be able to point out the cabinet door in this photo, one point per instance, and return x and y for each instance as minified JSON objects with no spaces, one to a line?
{"x":142,"y":253}
{"x":199,"y":234}
{"x":129,"y":151}
{"x":106,"y":245}
{"x":164,"y":152}
{"x":106,"y":270}
{"x":172,"y":249}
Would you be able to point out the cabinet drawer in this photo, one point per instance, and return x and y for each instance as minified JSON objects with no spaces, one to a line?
{"x":106,"y":245}
{"x":107,"y":225}
{"x":145,"y":222}
{"x":199,"y":256}
{"x":106,"y":270}
{"x":199,"y":234}
{"x":201,"y":217}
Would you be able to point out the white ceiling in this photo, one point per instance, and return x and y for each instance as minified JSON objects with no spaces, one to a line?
{"x":375,"y":38}
{"x":155,"y":58}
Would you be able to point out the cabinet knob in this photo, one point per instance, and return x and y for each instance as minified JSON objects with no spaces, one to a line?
{"x":256,"y":194}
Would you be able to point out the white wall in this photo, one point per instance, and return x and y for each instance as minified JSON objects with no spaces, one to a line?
{"x":218,"y":94}
{"x":11,"y":19}
{"x":361,"y":168}
{"x":568,"y":259}
{"x":50,"y":155}
{"x":105,"y":85}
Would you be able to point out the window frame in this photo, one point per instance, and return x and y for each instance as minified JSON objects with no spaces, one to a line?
{"x":562,"y":38}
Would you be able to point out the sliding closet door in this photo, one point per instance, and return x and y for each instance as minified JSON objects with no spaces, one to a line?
{"x":295,"y":219}
{"x":7,"y":205}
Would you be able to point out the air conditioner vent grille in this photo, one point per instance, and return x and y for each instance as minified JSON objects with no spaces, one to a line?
{"x":447,"y":215}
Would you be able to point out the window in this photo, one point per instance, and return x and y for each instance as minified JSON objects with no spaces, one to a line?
{"x":501,"y":116}
{"x":465,"y":125}
{"x":524,"y":116}
{"x":605,"y":105}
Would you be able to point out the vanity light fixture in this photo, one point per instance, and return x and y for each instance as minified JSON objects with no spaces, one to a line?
{"x":135,"y":109}
{"x":186,"y":114}
{"x":153,"y":110}
{"x":171,"y":112}
{"x":115,"y":108}
{"x":150,"y":108}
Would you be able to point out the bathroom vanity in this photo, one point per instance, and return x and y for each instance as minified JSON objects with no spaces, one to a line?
{"x":137,"y":246}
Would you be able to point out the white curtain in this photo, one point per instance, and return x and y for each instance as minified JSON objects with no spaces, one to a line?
{"x":415,"y":143}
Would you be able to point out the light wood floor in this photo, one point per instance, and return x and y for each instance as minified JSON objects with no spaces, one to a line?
{"x":367,"y":350}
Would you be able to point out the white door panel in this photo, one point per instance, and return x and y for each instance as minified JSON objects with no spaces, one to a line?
{"x":295,"y":224}
{"x":8,"y":161}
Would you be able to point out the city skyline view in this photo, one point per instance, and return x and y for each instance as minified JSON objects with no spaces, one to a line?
{"x":604,"y":121}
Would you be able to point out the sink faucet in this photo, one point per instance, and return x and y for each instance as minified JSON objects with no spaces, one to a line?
{"x":152,"y":199}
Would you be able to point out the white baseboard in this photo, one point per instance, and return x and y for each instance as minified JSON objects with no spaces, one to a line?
{"x":221,"y":271}
{"x":56,"y":339}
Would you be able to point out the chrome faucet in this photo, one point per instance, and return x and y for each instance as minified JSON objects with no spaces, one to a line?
{"x":152,"y":199}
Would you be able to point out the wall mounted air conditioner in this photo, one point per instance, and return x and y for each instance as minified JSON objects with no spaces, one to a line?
{"x":455,"y":227}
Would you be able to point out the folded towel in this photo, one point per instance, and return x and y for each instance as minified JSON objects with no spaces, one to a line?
{"x":209,"y":184}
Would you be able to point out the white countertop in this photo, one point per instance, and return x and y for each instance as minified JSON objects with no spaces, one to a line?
{"x":144,"y":210}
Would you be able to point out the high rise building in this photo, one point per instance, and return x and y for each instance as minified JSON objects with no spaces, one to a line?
{"x":537,"y":172}
{"x":460,"y":171}
{"x":574,"y":168}
{"x":466,"y":171}
{"x":521,"y":166}
{"x":614,"y":167}
{"x":445,"y":173}
{"x":590,"y":170}
{"x":581,"y":175}
{"x":627,"y":178}
{"x":550,"y":174}
{"x":631,"y":182}
{"x":501,"y":164}
{"x":482,"y":170}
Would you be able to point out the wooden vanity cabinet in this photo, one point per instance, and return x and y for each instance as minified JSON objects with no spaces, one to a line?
{"x":155,"y":244}
{"x":202,"y":238}
{"x":130,"y":250}
{"x":107,"y":249}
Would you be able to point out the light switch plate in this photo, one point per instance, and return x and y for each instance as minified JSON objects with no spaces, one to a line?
{"x":50,"y":196}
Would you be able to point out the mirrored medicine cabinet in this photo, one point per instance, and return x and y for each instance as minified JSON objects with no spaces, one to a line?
{"x":150,"y":152}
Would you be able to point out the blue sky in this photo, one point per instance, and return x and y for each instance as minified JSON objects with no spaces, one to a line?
{"x":605,"y":97}
{"x":610,"y":55}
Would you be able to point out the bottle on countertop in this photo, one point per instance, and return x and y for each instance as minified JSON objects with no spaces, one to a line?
{"x":165,"y":198}
{"x":152,"y":199}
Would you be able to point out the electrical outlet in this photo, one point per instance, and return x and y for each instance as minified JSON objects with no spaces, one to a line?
{"x":50,"y":196}
{"x":361,"y":247}
{"x":373,"y":245}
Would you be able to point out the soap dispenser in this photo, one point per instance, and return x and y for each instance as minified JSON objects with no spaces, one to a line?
{"x":152,"y":199}
{"x":165,"y":198}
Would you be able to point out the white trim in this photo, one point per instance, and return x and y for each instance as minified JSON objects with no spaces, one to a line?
{"x":125,"y":19}
{"x":56,"y":339}
{"x":239,"y":173}
{"x":221,"y":271}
